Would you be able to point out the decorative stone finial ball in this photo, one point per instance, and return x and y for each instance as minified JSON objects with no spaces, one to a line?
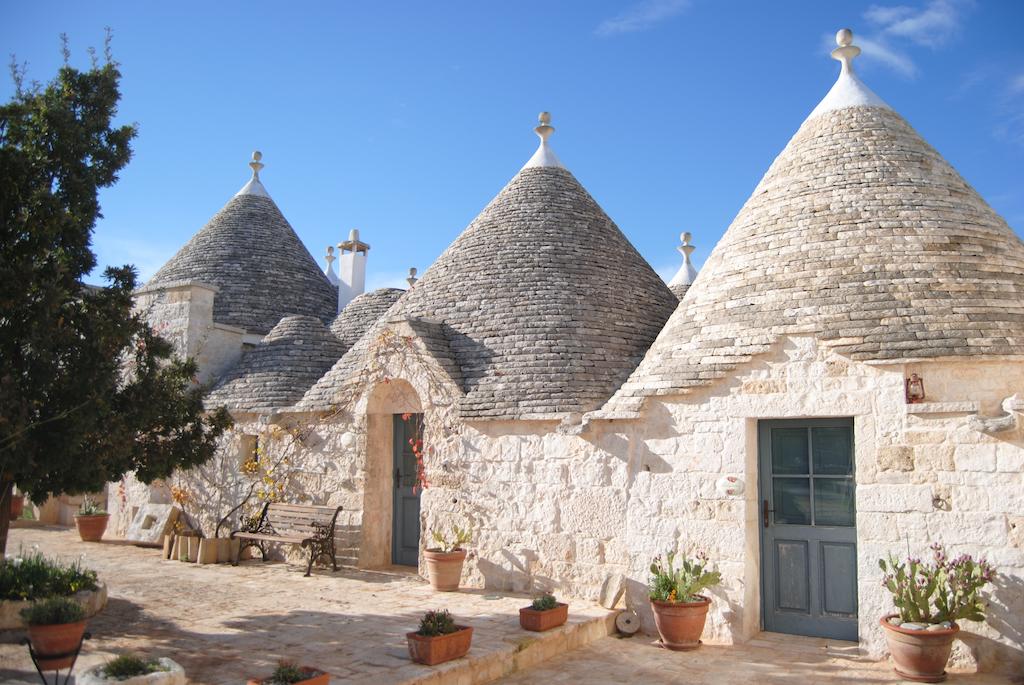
{"x":685,"y":236}
{"x":545,"y":118}
{"x":844,"y":37}
{"x":413,"y":271}
{"x":257,"y":156}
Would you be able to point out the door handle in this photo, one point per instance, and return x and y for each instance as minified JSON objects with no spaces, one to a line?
{"x":764,"y":512}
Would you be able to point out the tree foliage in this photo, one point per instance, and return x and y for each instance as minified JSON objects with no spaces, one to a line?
{"x":88,"y":391}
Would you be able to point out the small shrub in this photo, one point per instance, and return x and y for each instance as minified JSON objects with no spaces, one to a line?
{"x":944,"y":590}
{"x":32,"y":576}
{"x":90,"y":508}
{"x":53,"y":611}
{"x":545,"y":602}
{"x":129,"y":665}
{"x":459,"y":538}
{"x":287,"y":673}
{"x":436,"y":623}
{"x":683,"y":584}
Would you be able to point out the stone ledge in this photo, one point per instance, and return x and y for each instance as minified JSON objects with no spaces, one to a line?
{"x":968,"y":407}
{"x":586,"y":626}
{"x":93,"y":601}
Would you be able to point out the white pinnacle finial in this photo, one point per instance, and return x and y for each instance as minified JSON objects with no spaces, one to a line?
{"x":332,"y":276}
{"x":256,"y":165}
{"x":686,"y":249}
{"x":687,"y":273}
{"x":254,"y":186}
{"x":544,"y":129}
{"x":544,"y":156}
{"x":846,"y":50}
{"x":411,"y":280}
{"x":848,"y":90}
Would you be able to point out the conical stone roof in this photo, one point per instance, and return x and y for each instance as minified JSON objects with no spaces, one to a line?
{"x":860,"y":234}
{"x":278,"y":371}
{"x":261,"y":268}
{"x":546,"y":305}
{"x":361,"y":313}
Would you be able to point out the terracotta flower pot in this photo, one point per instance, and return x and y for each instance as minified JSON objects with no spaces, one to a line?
{"x":919,"y":655}
{"x":539,"y":621}
{"x":17,"y":506}
{"x":56,"y":640}
{"x":320,"y":679}
{"x":680,"y":623}
{"x":440,"y":648}
{"x":91,"y":527}
{"x":445,"y":568}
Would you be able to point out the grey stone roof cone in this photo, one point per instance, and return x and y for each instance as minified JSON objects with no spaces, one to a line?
{"x":276,"y":373}
{"x":860,"y":234}
{"x":546,"y":305}
{"x":261,"y":268}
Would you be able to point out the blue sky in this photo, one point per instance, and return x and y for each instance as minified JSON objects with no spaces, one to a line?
{"x":404,"y":119}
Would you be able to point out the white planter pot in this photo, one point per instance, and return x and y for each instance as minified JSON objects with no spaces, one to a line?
{"x":175,"y":675}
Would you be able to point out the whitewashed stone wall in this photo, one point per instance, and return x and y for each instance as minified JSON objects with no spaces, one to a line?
{"x":563,"y":508}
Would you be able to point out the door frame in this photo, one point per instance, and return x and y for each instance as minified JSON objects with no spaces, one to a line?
{"x":763,"y":471}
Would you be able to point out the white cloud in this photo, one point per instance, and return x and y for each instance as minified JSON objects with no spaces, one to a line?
{"x":932,"y":25}
{"x":641,"y":16}
{"x":1016,"y":86}
{"x":878,"y":51}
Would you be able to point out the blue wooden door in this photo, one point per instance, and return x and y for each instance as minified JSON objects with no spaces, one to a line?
{"x":808,"y":538}
{"x":405,"y":533}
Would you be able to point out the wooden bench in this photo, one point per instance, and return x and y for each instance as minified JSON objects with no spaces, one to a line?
{"x":296,"y":524}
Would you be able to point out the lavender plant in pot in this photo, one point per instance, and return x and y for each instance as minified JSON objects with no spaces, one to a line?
{"x":680,"y":610}
{"x":930,"y":598}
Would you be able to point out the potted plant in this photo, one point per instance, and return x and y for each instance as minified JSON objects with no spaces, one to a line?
{"x":930,"y":599}
{"x":680,"y":611}
{"x":130,"y":669}
{"x":91,"y":520}
{"x":287,"y":673}
{"x":55,"y":629}
{"x":545,"y":613}
{"x":444,"y":562}
{"x":438,"y":639}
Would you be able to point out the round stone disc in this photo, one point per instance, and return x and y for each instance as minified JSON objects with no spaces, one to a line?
{"x":627,"y":622}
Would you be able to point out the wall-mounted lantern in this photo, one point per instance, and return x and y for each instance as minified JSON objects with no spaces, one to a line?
{"x":915,"y":389}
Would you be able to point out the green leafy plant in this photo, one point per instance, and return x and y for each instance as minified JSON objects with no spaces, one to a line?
{"x":32,"y":576}
{"x":683,"y":584}
{"x":943,"y":590}
{"x":287,"y":673}
{"x":436,"y":623}
{"x":88,"y":507}
{"x":458,"y":539}
{"x":545,"y":602}
{"x":53,"y":611}
{"x":129,"y":665}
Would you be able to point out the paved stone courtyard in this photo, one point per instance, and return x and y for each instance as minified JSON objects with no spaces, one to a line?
{"x":225,"y":624}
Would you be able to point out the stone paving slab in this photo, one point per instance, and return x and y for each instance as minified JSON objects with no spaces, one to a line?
{"x":224,"y":624}
{"x":770,"y":659}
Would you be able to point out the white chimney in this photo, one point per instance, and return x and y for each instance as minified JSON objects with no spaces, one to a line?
{"x":352,"y":268}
